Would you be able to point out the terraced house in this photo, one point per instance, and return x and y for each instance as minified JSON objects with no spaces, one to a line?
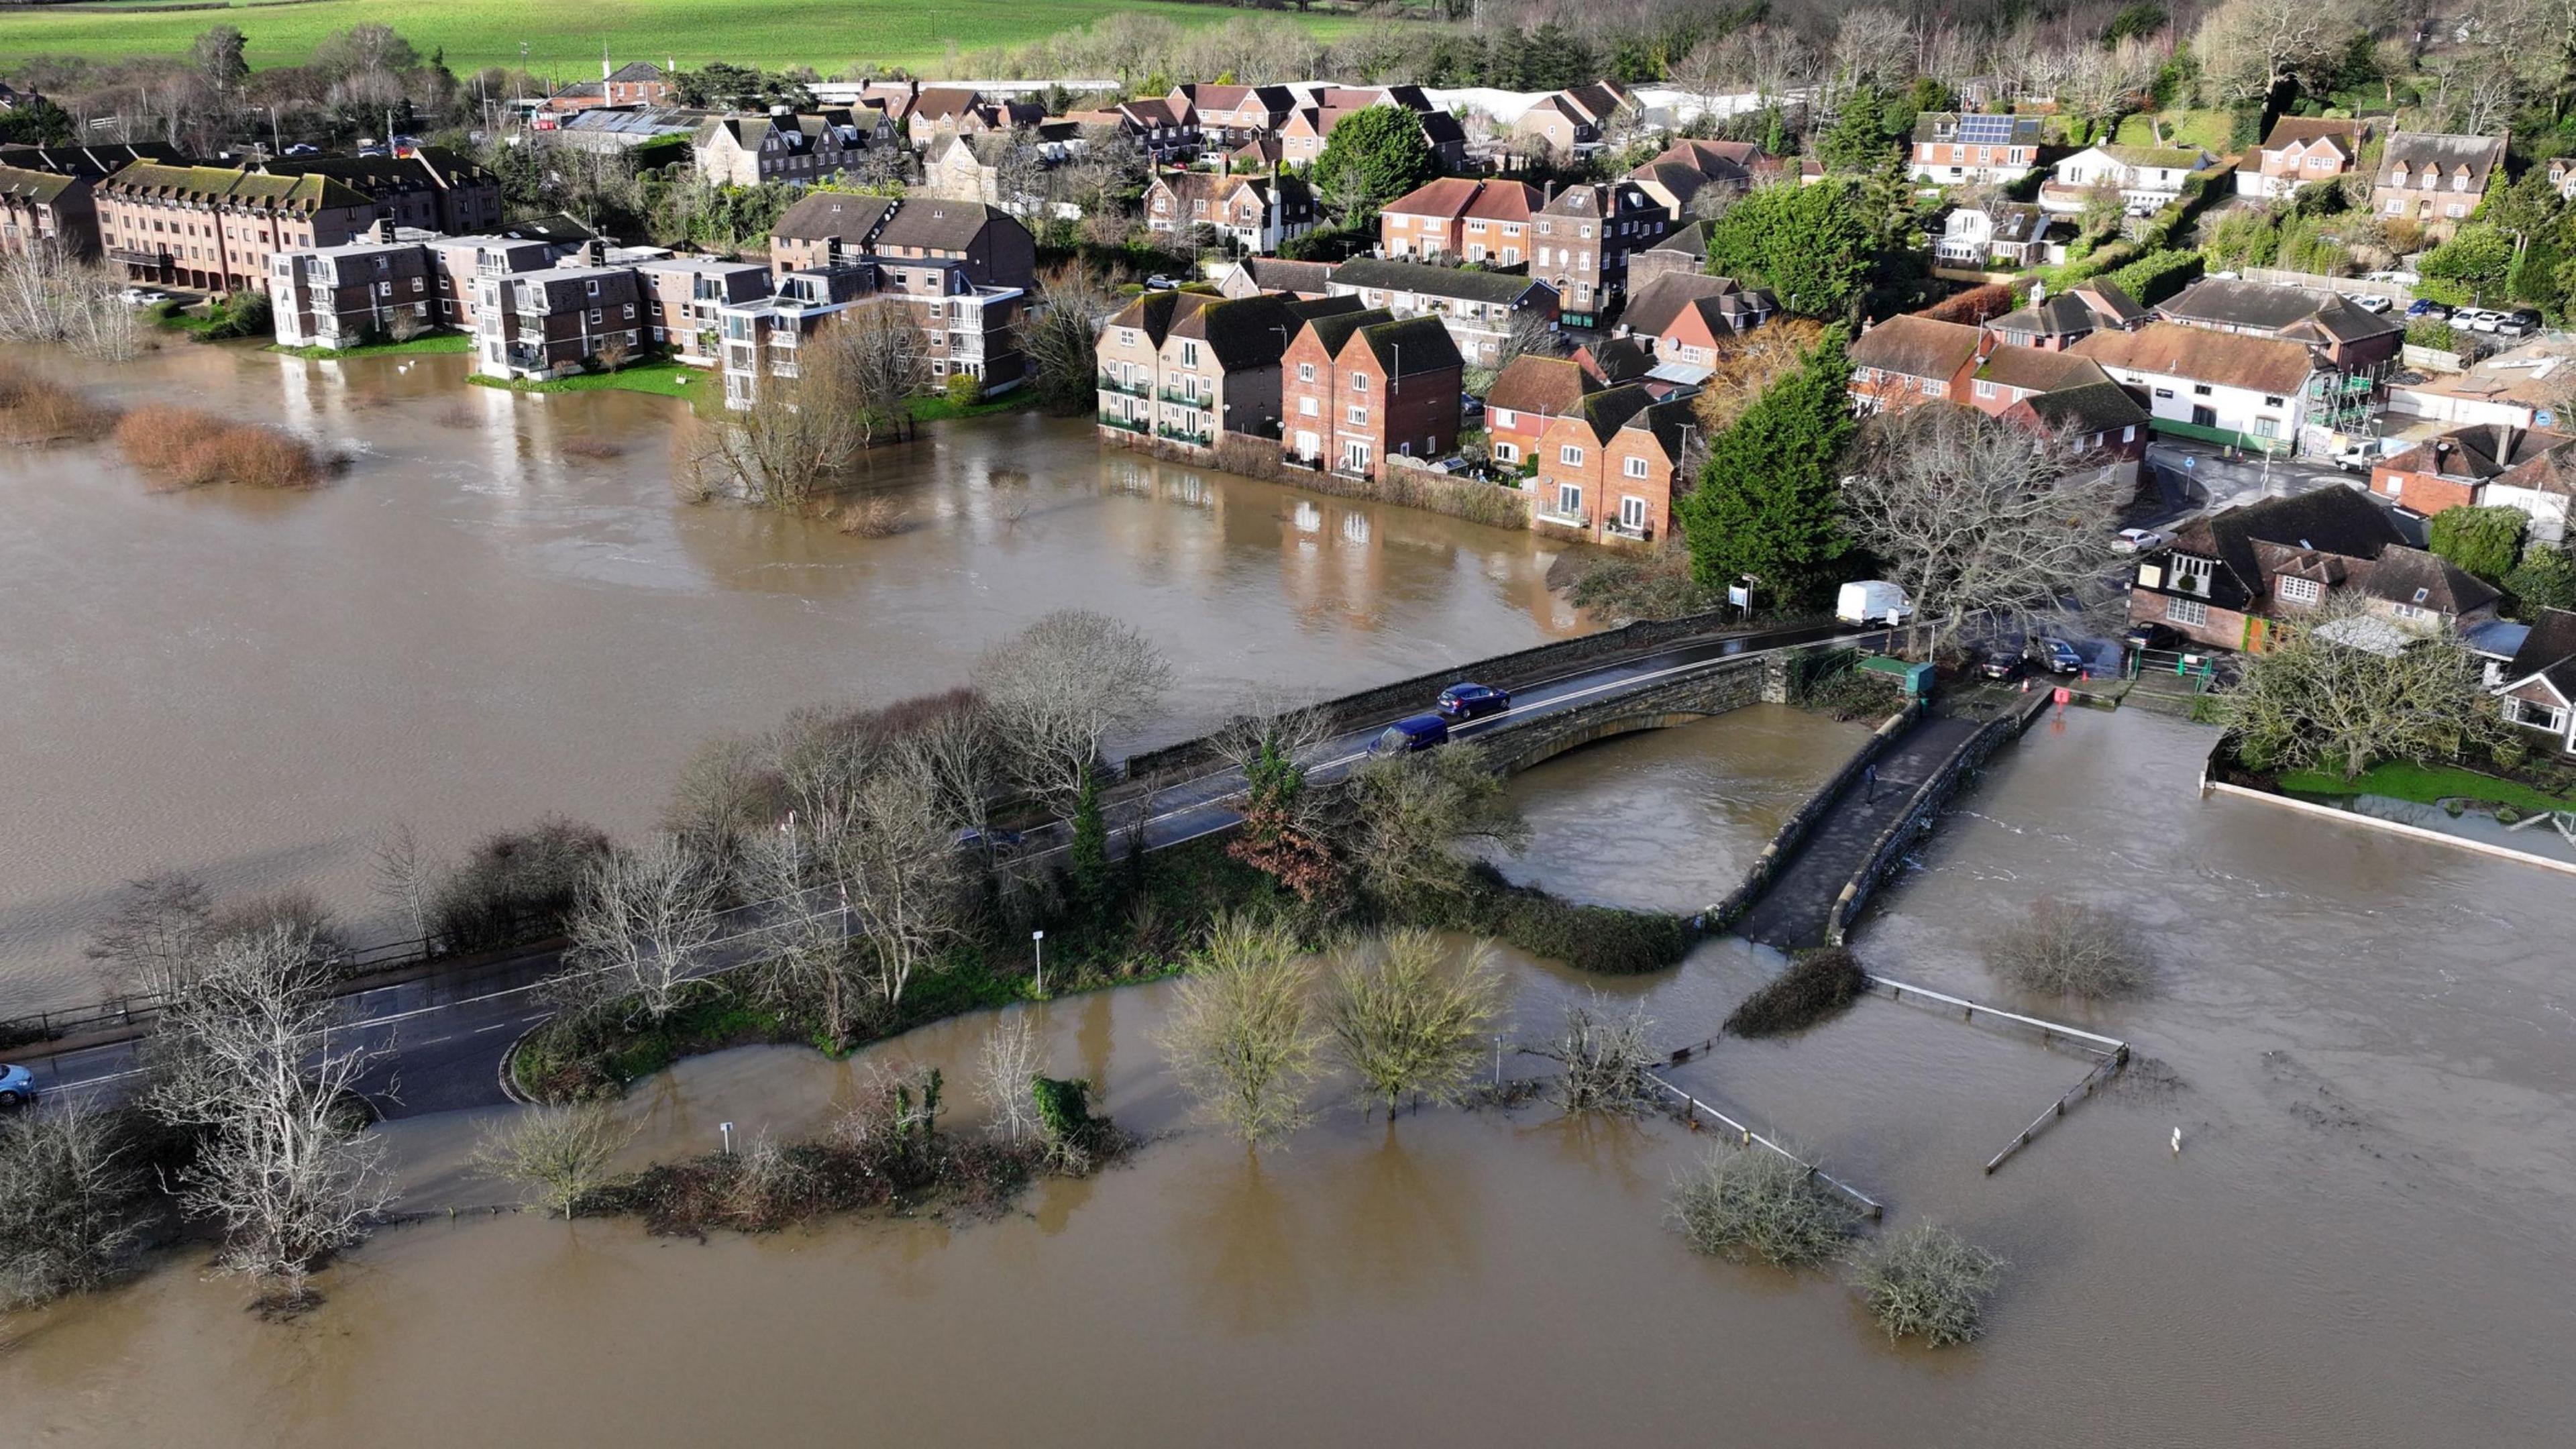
{"x":215,"y":228}
{"x":1254,"y":213}
{"x":1460,"y":216}
{"x":41,"y":209}
{"x":1479,"y":309}
{"x":798,"y":150}
{"x":1189,"y":370}
{"x":1364,"y":387}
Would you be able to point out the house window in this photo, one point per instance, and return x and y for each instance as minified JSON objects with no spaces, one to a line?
{"x":2188,"y":575}
{"x":2129,"y":434}
{"x":1570,"y":455}
{"x":2271,"y":402}
{"x":2538,"y":716}
{"x":1126,"y":336}
{"x":2299,"y":591}
{"x":1359,"y":414}
{"x":2187,"y":611}
{"x":1189,"y":354}
{"x":1306,"y":407}
{"x":1507,"y":453}
{"x":1632,"y":513}
{"x":1569,"y":500}
{"x":2200,"y":389}
{"x":1634,"y":468}
{"x":1985,"y":388}
{"x":1305,"y":372}
{"x":1502,"y":417}
{"x":590,"y":289}
{"x":1359,"y":382}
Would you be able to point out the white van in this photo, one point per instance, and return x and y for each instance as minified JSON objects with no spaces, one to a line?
{"x":1872,"y":601}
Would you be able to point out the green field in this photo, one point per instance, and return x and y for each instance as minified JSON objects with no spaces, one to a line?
{"x":829,"y":35}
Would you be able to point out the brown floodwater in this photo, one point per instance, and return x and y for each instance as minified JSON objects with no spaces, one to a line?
{"x":2368,"y":1049}
{"x":480,"y":622}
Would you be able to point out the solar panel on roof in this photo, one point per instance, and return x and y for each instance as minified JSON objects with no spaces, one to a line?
{"x":1985,"y":130}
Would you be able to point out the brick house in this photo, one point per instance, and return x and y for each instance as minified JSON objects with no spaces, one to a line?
{"x":2435,"y":180}
{"x":215,"y":228}
{"x":1682,"y":250}
{"x":1688,"y":167}
{"x":1303,"y":135}
{"x":1168,"y":136}
{"x":2227,"y":576}
{"x":1228,"y":116}
{"x":2300,"y":151}
{"x":1255,"y":213}
{"x":684,"y":301}
{"x":1574,"y":120}
{"x":1480,"y":309}
{"x":2099,"y":419}
{"x":1531,"y":392}
{"x":40,"y":209}
{"x":1574,"y":466}
{"x":1689,"y":316}
{"x":1190,"y":370}
{"x":1460,"y":216}
{"x":1582,"y":239}
{"x":1361,"y":387}
{"x":1973,"y":150}
{"x":2520,"y":467}
{"x":2344,"y":338}
{"x":1253,"y":276}
{"x":1913,"y":359}
{"x":2055,"y":322}
{"x":636,"y":83}
{"x":549,"y":322}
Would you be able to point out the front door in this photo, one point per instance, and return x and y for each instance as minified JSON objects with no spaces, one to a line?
{"x":1355,"y":456}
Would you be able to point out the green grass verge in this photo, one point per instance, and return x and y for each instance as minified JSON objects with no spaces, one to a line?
{"x":940,"y":409}
{"x":436,"y":343}
{"x":830,"y":35}
{"x":2426,"y":785}
{"x":662,"y":379}
{"x":2207,"y":129}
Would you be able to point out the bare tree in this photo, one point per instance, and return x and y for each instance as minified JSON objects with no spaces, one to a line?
{"x":644,"y":926}
{"x":1605,"y":1058}
{"x":1873,"y":47}
{"x":244,"y":1053}
{"x":1769,"y":61}
{"x":1005,"y":1064}
{"x":562,"y":1154}
{"x":1407,"y":814}
{"x":807,"y":960}
{"x":2250,"y":48}
{"x":157,"y":934}
{"x":612,"y":352}
{"x":2344,"y":688}
{"x":407,"y":878}
{"x":899,"y":865}
{"x":1749,"y":1204}
{"x":792,"y":442}
{"x":1929,"y":1283}
{"x":1242,"y":1037}
{"x":2065,"y":948}
{"x":873,"y":358}
{"x":728,"y":789}
{"x":403,"y":324}
{"x":960,"y":753}
{"x":1061,"y":338}
{"x":1407,"y":1017}
{"x":48,"y":295}
{"x":1059,"y":688}
{"x":1979,"y":520}
{"x":70,"y":1204}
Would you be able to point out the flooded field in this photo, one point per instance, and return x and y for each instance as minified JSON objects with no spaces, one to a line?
{"x":2368,"y":1048}
{"x":480,"y":622}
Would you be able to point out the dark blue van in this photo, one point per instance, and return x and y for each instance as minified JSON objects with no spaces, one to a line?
{"x":1408,"y":735}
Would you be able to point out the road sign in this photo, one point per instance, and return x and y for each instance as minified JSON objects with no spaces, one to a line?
{"x":2543,"y":418}
{"x":2189,"y":462}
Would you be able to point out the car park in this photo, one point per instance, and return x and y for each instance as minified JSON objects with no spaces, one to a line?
{"x":17,"y":1087}
{"x":1461,"y":702}
{"x":1406,"y":736}
{"x":2137,"y":540}
{"x":2476,"y":319}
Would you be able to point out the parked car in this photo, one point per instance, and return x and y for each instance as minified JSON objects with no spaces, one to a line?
{"x":142,"y":297}
{"x":1470,"y":405}
{"x":2138,"y":540}
{"x":17,"y":1087}
{"x":1406,"y":736}
{"x":991,"y":837}
{"x":2425,"y":309}
{"x":1160,"y":283}
{"x":1872,"y":601}
{"x":2154,"y":636}
{"x":1460,"y":702}
{"x":2057,"y":656}
{"x":2476,"y":319}
{"x":2000,"y":662}
{"x":2369,"y":453}
{"x":2520,"y":322}
{"x":2368,"y":302}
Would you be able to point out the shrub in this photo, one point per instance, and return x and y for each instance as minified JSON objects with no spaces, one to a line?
{"x":1929,"y":1283}
{"x":1748,"y":1204}
{"x":2068,"y":949}
{"x":37,"y":410}
{"x":1605,"y":1059}
{"x":1816,"y":985}
{"x":965,"y":389}
{"x":1604,"y":940}
{"x":516,"y":885}
{"x":185,"y":448}
{"x":1851,"y":694}
{"x":878,"y":517}
{"x":72,"y":1209}
{"x":2158,"y":275}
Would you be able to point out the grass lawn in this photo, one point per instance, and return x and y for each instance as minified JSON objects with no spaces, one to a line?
{"x":2425,"y":784}
{"x":436,"y":342}
{"x":2207,"y":129}
{"x":564,"y":40}
{"x":662,"y":379}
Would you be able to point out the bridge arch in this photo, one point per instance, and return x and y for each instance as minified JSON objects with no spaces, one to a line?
{"x":1538,"y":746}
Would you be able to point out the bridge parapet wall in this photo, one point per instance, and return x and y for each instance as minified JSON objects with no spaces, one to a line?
{"x":1680,"y":700}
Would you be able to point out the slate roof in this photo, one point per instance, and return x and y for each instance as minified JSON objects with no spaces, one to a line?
{"x":1382,"y":275}
{"x":2063,"y":314}
{"x":2287,"y":311}
{"x":826,"y":214}
{"x":2038,"y":369}
{"x":2448,"y":154}
{"x":1412,"y":346}
{"x":2411,"y":576}
{"x":1277,"y":274}
{"x":1242,"y":332}
{"x":2087,"y":407}
{"x":938,"y":225}
{"x":2479,"y":452}
{"x":2548,"y":651}
{"x":2105,"y":297}
{"x":1943,"y":126}
{"x":1607,"y":411}
{"x":2258,"y":364}
{"x":1154,"y":313}
{"x":2341,"y":521}
{"x":1916,"y":346}
{"x":1691,"y":241}
{"x":1654,"y":307}
{"x":1670,"y":422}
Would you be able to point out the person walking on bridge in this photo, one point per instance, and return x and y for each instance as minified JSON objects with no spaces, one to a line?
{"x":1869,"y":777}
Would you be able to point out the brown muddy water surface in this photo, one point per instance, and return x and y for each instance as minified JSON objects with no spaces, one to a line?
{"x":474,"y":627}
{"x":2362,"y":1242}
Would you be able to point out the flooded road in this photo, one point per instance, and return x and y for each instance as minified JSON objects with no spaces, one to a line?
{"x":2369,"y":1050}
{"x":484,"y":621}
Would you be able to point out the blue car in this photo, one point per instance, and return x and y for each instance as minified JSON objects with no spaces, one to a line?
{"x":2426,"y":310}
{"x":1462,"y":702}
{"x":17,"y":1087}
{"x":1405,"y":736}
{"x":992,"y":837}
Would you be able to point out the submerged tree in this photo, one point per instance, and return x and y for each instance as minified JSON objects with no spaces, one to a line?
{"x":1404,"y":817}
{"x":71,"y":1214}
{"x":560,"y":1153}
{"x":1059,"y":687}
{"x":1407,"y":1015}
{"x":2344,"y":688}
{"x":1750,"y":1204}
{"x":1241,"y":1037}
{"x":1928,"y":1282}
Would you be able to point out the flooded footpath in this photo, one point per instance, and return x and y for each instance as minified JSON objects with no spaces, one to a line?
{"x":502,"y":610}
{"x":2368,"y":1049}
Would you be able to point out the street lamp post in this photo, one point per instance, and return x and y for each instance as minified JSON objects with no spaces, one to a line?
{"x":1037,"y":944}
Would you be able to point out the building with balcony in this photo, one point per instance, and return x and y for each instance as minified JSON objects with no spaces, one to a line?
{"x":216,"y":228}
{"x":554,"y":321}
{"x":966,"y":268}
{"x":1188,"y":370}
{"x":1479,"y":309}
{"x":346,"y":295}
{"x":763,"y":337}
{"x":684,"y":299}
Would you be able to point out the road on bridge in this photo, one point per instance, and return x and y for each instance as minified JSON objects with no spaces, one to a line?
{"x":441,"y":1038}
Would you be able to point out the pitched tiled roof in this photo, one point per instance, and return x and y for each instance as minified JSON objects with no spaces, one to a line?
{"x":825,"y":214}
{"x":1277,"y":274}
{"x":2291,"y":130}
{"x":2038,"y":369}
{"x":2549,"y":651}
{"x":1447,"y":196}
{"x":1691,"y":241}
{"x":2449,"y":155}
{"x":2411,"y":576}
{"x":2177,"y":157}
{"x":1916,"y":346}
{"x":2109,"y":302}
{"x":1533,"y":384}
{"x":1334,"y":330}
{"x":939,"y":225}
{"x":2259,"y":364}
{"x":1653,"y":308}
{"x":1670,"y":422}
{"x":231,"y":185}
{"x":2341,"y":521}
{"x":1412,"y":346}
{"x":19,"y":184}
{"x":2060,"y":315}
{"x":635,"y":71}
{"x":2263,"y":307}
{"x":2087,"y":407}
{"x":1608,"y":410}
{"x":2479,"y":452}
{"x":1154,"y":313}
{"x":1943,"y":126}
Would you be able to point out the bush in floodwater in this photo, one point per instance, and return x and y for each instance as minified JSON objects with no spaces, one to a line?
{"x":1604,"y":940}
{"x":517,"y":885}
{"x":1750,"y":1204}
{"x":2067,"y":949}
{"x":73,"y":1209}
{"x":1929,"y":1283}
{"x":34,"y":410}
{"x":1817,"y":984}
{"x":185,"y":448}
{"x":1605,"y":1058}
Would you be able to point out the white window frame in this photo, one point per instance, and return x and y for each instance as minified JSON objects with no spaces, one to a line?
{"x":1633,"y":467}
{"x":1570,"y":455}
